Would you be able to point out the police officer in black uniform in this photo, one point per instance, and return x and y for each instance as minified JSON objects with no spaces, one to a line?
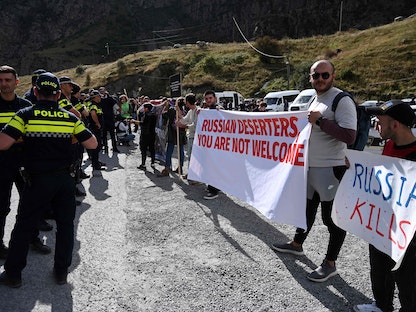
{"x":96,"y":123}
{"x":30,"y":94}
{"x":48,"y":131}
{"x":10,"y":160}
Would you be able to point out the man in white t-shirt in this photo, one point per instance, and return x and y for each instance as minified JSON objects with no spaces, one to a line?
{"x":331,"y":132}
{"x":189,"y":120}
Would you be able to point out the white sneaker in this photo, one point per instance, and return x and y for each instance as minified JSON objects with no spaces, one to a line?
{"x":366,"y":308}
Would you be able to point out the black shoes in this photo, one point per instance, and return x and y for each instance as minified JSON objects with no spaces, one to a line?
{"x":83,"y":175}
{"x":141,"y":167}
{"x":78,"y":192}
{"x":177,"y":170}
{"x":13,"y":282}
{"x":60,"y":277}
{"x":4,"y":251}
{"x":44,"y":226}
{"x":41,"y":248}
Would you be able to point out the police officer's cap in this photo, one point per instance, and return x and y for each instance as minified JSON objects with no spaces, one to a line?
{"x":94,"y":93}
{"x":65,"y":79}
{"x":36,"y":74}
{"x":47,"y":84}
{"x":75,"y":88}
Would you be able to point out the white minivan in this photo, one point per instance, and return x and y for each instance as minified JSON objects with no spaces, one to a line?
{"x":230,"y":100}
{"x":303,"y":100}
{"x":276,"y":101}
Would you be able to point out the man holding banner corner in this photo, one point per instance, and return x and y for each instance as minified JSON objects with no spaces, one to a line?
{"x":395,"y":119}
{"x":331,"y":133}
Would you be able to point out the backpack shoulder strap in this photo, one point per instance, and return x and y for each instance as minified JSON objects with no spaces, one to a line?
{"x":338,"y":97}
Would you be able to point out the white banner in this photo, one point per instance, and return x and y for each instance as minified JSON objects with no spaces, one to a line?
{"x":260,"y":158}
{"x":376,"y":201}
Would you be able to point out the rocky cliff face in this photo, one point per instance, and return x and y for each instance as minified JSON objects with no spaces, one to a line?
{"x":60,"y":34}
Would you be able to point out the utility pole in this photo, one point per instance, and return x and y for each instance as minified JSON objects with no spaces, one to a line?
{"x":288,"y":71}
{"x":340,"y":17}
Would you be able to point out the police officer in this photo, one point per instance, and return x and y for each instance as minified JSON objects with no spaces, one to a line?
{"x":48,"y":131}
{"x":96,"y":123}
{"x":30,"y":94}
{"x":66,"y":93}
{"x":10,"y":160}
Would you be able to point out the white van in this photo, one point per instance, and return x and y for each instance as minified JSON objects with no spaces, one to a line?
{"x":303,"y":100}
{"x":230,"y":100}
{"x":276,"y":101}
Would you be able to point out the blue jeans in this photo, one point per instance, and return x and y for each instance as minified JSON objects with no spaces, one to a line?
{"x":169,"y":152}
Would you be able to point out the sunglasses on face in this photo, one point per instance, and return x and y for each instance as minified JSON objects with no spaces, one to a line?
{"x":324,"y":76}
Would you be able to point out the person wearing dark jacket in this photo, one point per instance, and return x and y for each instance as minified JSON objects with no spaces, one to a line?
{"x":169,"y":116}
{"x":147,"y":122}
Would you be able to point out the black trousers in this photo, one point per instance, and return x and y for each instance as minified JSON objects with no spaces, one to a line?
{"x":147,"y":142}
{"x":94,"y":153}
{"x":383,"y":279}
{"x":109,"y":127}
{"x":9,"y":175}
{"x":56,"y":190}
{"x":336,"y":234}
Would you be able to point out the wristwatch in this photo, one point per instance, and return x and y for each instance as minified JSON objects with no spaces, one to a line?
{"x":318,"y":121}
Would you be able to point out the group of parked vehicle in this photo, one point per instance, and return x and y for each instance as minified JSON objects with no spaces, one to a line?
{"x":295,"y":100}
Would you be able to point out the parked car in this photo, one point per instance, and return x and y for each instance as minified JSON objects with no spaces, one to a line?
{"x":303,"y":100}
{"x":276,"y":101}
{"x":230,"y":100}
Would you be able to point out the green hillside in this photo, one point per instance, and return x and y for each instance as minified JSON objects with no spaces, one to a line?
{"x":374,"y":63}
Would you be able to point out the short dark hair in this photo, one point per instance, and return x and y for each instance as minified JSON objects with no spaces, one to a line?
{"x":6,"y":69}
{"x":210,"y":92}
{"x":190,"y":97}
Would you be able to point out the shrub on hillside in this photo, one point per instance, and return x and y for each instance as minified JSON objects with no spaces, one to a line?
{"x":269,"y":46}
{"x":80,"y":70}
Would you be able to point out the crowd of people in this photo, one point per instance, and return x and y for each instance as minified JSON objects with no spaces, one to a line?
{"x":73,"y":121}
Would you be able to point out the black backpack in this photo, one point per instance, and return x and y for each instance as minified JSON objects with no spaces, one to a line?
{"x":363,"y":122}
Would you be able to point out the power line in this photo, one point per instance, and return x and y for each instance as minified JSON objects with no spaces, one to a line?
{"x":253,"y":47}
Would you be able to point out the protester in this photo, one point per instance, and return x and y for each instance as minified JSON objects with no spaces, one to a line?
{"x":122,"y":131}
{"x":47,"y":159}
{"x":169,"y":115}
{"x":395,"y":119}
{"x":331,"y":132}
{"x":147,"y":122}
{"x":190,"y":121}
{"x":210,"y":100}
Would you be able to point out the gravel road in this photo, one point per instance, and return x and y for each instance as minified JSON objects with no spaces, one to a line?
{"x":145,"y":243}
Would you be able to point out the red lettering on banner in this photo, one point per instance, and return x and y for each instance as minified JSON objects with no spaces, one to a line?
{"x":204,"y":140}
{"x":222,"y":143}
{"x":205,"y":125}
{"x":397,"y":236}
{"x":390,"y":229}
{"x":357,"y":210}
{"x":240,"y":145}
{"x":372,"y":206}
{"x":378,"y":222}
{"x":404,"y":233}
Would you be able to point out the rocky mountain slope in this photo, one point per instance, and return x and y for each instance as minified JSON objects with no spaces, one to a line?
{"x":61,"y":34}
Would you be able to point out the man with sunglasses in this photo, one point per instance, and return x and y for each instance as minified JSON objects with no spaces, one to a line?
{"x":331,"y":132}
